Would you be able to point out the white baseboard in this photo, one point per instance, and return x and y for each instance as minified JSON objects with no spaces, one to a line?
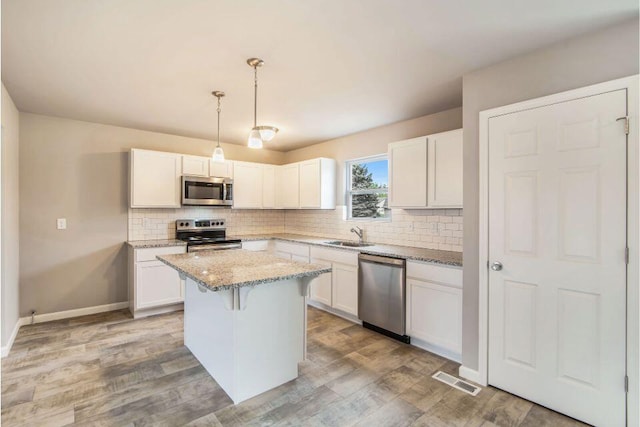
{"x":471,"y":375}
{"x":323,"y":307}
{"x":16,"y":328}
{"x":431,"y":348}
{"x":48,"y":317}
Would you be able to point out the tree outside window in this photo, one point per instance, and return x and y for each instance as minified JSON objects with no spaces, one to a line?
{"x":367,"y":188}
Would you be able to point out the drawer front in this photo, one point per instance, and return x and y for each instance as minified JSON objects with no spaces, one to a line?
{"x":292,"y":248}
{"x":335,"y":255}
{"x":149,"y":254}
{"x":451,"y":276}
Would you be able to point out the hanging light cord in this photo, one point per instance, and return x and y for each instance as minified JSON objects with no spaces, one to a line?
{"x":218,"y":121}
{"x":255,"y":96}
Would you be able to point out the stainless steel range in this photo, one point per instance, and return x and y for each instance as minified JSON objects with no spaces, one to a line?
{"x":205,"y":235}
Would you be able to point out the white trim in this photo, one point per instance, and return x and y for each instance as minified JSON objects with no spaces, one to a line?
{"x":633,"y":298}
{"x":7,"y":348}
{"x":435,"y":349}
{"x":469,"y":374}
{"x":48,"y":317}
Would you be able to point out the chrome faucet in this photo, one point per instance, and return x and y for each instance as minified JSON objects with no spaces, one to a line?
{"x":359,"y":232}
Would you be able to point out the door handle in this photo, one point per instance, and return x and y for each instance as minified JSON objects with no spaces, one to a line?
{"x":496,"y":266}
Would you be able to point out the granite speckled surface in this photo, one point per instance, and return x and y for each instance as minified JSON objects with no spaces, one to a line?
{"x":411,"y":253}
{"x":220,"y":270}
{"x":143,"y":244}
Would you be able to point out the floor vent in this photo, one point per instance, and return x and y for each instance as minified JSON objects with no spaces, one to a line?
{"x":456,"y":383}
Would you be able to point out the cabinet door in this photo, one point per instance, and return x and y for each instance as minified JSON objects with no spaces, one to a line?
{"x":195,"y":166}
{"x":268,"y":187}
{"x":408,"y":173}
{"x":434,"y":314}
{"x":283,"y":255}
{"x":310,"y":184}
{"x":300,"y":258}
{"x":247,"y":185}
{"x":157,"y":284}
{"x":155,"y":179}
{"x":444,"y":169}
{"x":321,"y":285}
{"x":287,"y":186}
{"x":221,"y":170}
{"x":345,"y":288}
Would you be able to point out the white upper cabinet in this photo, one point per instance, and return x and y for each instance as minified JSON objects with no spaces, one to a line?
{"x":426,"y":172}
{"x":408,"y":173}
{"x":287,"y":186}
{"x":155,"y":179}
{"x":318,"y":184}
{"x":195,"y":165}
{"x":247,"y":185}
{"x":444,"y":167}
{"x":269,"y":186}
{"x":221,"y":170}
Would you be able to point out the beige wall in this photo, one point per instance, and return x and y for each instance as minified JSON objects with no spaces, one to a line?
{"x":582,"y":61}
{"x":79,"y":171}
{"x":375,"y":141}
{"x":10,"y":216}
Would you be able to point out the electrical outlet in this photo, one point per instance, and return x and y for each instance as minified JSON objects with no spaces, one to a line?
{"x":61,"y":223}
{"x":411,"y":226}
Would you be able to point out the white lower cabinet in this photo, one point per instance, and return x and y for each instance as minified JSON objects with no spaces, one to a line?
{"x":344,"y":280}
{"x":321,"y":286}
{"x":434,"y":308}
{"x":291,"y":251}
{"x":338,"y":289}
{"x":256,"y":245}
{"x":154,"y":287}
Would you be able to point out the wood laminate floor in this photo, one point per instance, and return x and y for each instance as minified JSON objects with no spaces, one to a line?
{"x":108,"y":369}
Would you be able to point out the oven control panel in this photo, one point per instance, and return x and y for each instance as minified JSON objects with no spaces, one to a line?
{"x":199,"y":224}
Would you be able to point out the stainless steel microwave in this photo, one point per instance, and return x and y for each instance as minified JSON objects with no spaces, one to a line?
{"x":205,"y":191}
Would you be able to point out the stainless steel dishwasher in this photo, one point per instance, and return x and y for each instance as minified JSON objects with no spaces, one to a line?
{"x":381,"y":295}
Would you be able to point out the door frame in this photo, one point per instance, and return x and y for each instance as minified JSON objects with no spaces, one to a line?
{"x":633,"y":230}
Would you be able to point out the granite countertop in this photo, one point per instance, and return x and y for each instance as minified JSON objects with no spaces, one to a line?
{"x":221,"y":270}
{"x":143,"y":244}
{"x":411,"y":253}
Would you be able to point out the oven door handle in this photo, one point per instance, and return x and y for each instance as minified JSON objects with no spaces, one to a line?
{"x":198,"y":248}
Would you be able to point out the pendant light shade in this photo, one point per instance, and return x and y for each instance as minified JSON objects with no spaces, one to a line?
{"x":258,"y":134}
{"x":218,"y":154}
{"x":255,"y":141}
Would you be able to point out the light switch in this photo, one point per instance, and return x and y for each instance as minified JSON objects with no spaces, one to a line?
{"x":62,"y":223}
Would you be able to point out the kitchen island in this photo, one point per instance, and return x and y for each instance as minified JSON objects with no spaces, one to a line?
{"x":245,"y":316}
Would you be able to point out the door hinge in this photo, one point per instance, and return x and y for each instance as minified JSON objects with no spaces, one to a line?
{"x":626,"y":384}
{"x":626,"y":255}
{"x":626,"y":123}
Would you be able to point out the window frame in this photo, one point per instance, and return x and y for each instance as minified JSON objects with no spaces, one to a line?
{"x":349,"y":192}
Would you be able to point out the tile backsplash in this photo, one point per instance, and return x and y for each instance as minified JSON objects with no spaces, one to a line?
{"x":424,"y":228}
{"x":150,"y":224}
{"x":432,"y":229}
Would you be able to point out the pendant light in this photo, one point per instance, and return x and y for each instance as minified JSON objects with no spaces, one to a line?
{"x":218,"y":154}
{"x":258,"y":134}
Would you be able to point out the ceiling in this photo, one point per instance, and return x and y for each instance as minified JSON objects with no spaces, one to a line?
{"x":332,"y":67}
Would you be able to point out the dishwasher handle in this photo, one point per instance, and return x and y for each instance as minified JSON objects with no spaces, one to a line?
{"x":381,"y":260}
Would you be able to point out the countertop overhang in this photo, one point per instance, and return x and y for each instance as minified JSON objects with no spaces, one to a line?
{"x":222,"y":270}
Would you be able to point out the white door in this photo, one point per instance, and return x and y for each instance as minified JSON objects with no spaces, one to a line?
{"x":155,"y":179}
{"x":557,"y":215}
{"x":195,"y":166}
{"x":321,"y":285}
{"x":344,"y":279}
{"x":221,"y":170}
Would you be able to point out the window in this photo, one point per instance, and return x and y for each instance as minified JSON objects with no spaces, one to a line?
{"x":367,"y":188}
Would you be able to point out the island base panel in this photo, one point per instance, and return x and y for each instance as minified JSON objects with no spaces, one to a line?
{"x":250,"y":350}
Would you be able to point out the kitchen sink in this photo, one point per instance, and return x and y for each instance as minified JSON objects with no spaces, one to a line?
{"x":348,"y":243}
